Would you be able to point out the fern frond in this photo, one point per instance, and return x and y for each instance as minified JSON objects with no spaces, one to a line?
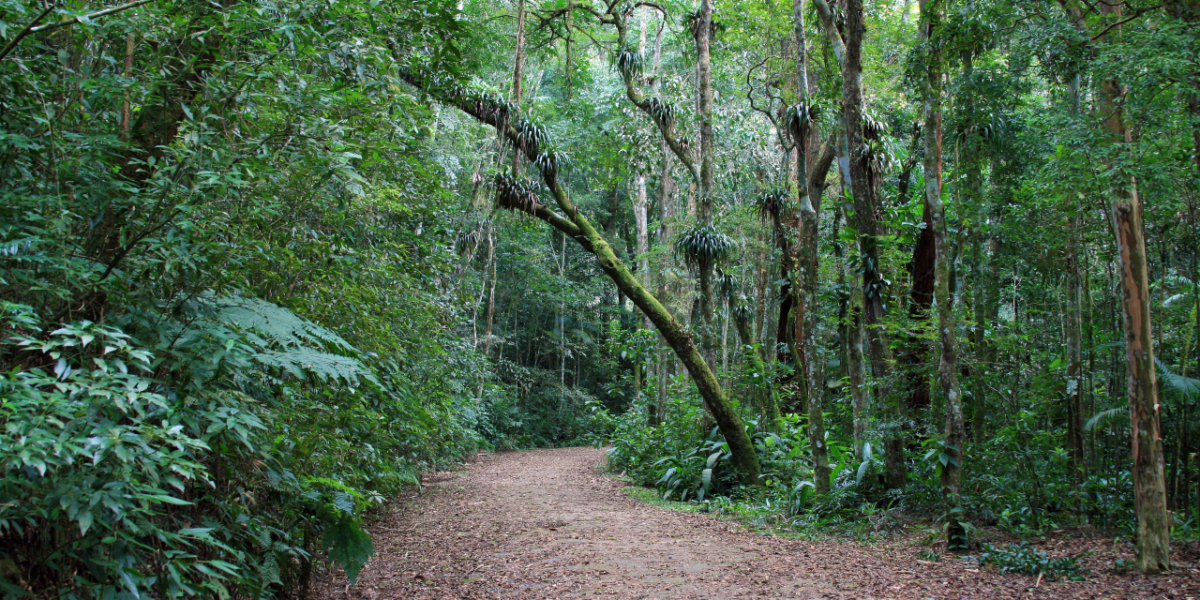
{"x":325,"y":366}
{"x":1104,"y":415}
{"x":1185,"y":385}
{"x":275,"y":323}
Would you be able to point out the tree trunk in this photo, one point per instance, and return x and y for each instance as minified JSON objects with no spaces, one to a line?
{"x":518,"y":75}
{"x":763,"y":394}
{"x":569,"y":44}
{"x":718,"y":405}
{"x":491,"y":306}
{"x":126,"y":109}
{"x":865,"y":206}
{"x":1073,"y":335}
{"x":702,"y":29}
{"x":951,"y":480}
{"x":643,"y":229}
{"x":851,"y":330}
{"x":806,"y":286}
{"x":1073,"y":325}
{"x":922,"y":272}
{"x":1153,"y":540}
{"x":1149,"y":487}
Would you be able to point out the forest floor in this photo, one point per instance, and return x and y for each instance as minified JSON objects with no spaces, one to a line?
{"x":548,"y":524}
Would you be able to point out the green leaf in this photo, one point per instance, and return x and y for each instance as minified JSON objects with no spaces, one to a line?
{"x":85,"y":521}
{"x":168,"y":499}
{"x":862,"y":471}
{"x":712,"y":458}
{"x":348,"y":545}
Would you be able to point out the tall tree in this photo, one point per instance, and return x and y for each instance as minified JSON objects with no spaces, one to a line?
{"x":702,"y":32}
{"x":864,"y":178}
{"x":518,"y":81}
{"x":1153,"y":539}
{"x":952,"y":450}
{"x":801,"y":121}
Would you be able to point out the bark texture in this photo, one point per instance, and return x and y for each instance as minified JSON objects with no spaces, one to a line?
{"x":1153,"y":539}
{"x":805,"y":288}
{"x":519,"y":74}
{"x":952,"y":462}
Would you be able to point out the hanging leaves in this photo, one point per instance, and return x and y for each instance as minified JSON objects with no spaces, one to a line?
{"x":703,"y":247}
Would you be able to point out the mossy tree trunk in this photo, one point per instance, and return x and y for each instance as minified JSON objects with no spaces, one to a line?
{"x":572,"y":222}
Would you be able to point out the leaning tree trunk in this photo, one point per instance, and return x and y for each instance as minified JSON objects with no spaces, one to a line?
{"x":951,"y":480}
{"x":578,"y":227}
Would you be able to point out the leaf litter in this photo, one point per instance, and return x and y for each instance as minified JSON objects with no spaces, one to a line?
{"x":548,"y":524}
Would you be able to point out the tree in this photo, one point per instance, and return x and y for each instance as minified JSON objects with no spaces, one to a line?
{"x":513,"y":195}
{"x":952,"y":463}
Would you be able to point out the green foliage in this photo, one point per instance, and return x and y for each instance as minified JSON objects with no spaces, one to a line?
{"x":224,"y":337}
{"x":703,"y":247}
{"x":1022,"y":559}
{"x":346,"y":544}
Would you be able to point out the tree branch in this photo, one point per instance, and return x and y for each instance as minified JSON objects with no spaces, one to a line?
{"x":1136,"y":15}
{"x":24,"y":32}
{"x":665,"y":125}
{"x":831,"y":30}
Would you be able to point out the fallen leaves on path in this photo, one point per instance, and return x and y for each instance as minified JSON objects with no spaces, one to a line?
{"x":546,"y":524}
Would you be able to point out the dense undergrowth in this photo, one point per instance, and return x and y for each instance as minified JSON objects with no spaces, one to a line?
{"x":223,"y":308}
{"x":252,"y":283}
{"x":1020,"y":484}
{"x":217,"y":442}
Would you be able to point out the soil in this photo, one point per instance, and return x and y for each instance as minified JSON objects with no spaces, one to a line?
{"x":549,"y":524}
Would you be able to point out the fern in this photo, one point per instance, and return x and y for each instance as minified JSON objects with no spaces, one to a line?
{"x":1185,"y":385}
{"x":324,"y":365}
{"x":1104,"y":415}
{"x":275,"y":323}
{"x":287,"y":341}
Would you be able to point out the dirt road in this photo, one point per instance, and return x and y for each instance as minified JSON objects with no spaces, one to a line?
{"x":547,"y":524}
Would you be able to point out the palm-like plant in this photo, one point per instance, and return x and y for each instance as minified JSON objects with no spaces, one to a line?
{"x":772,"y":204}
{"x":703,"y":247}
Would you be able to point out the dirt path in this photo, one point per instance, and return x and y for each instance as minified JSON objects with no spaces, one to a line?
{"x":546,"y":524}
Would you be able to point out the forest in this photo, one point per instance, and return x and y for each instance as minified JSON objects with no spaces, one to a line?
{"x":844,"y":266}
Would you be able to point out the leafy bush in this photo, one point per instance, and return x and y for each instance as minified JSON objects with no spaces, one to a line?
{"x":175,"y":491}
